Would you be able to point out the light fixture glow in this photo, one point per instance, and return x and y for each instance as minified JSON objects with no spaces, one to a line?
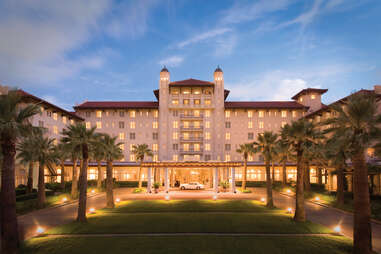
{"x":167,"y":197}
{"x":263,"y":200}
{"x":92,"y":210}
{"x":214,"y":197}
{"x":288,"y":191}
{"x":117,"y":200}
{"x":317,"y":198}
{"x":92,"y":191}
{"x":40,"y":230}
{"x":289,"y":210}
{"x":64,"y":199}
{"x":337,"y":229}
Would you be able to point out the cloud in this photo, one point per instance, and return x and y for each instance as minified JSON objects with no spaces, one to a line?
{"x":307,"y":17}
{"x":225,"y":45}
{"x":204,"y":36}
{"x":172,"y":61}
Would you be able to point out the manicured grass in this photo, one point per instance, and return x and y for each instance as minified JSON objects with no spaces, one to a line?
{"x":190,"y":244}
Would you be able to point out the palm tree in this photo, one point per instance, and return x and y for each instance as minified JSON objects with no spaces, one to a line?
{"x":298,"y":135}
{"x":98,"y":154}
{"x":356,"y":120}
{"x":63,"y":153}
{"x":46,"y":157}
{"x":112,"y":152}
{"x":13,"y":125}
{"x":245,"y":150}
{"x":75,"y":154}
{"x":284,"y":155}
{"x":140,"y":152}
{"x":79,"y":137}
{"x":266,"y":145}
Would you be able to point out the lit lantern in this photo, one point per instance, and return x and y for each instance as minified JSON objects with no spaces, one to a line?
{"x":40,"y":230}
{"x":92,"y":210}
{"x":167,"y":197}
{"x":317,"y":199}
{"x":337,"y":229}
{"x":117,"y":200}
{"x":289,"y":210}
{"x":288,"y":191}
{"x":263,"y":200}
{"x":92,"y":191}
{"x":214,"y":197}
{"x":64,"y":199}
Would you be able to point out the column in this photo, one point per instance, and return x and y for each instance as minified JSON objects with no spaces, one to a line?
{"x":211,"y":182}
{"x":149,"y":180}
{"x":233,"y":180}
{"x":166,"y":180}
{"x":215,"y":180}
{"x":349,"y":182}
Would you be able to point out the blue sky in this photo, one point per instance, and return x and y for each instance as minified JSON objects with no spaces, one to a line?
{"x":71,"y":51}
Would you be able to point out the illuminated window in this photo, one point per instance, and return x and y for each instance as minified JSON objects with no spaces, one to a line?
{"x":186,"y":101}
{"x":99,"y":125}
{"x":175,"y":135}
{"x":71,"y":121}
{"x":196,"y":124}
{"x":207,"y":113}
{"x":250,"y":157}
{"x":155,"y":125}
{"x":132,"y":125}
{"x":121,"y":136}
{"x":300,"y":99}
{"x":132,"y":147}
{"x":313,"y":96}
{"x":155,"y":147}
{"x":196,"y":112}
{"x":261,"y":113}
{"x":121,"y":146}
{"x":132,"y":113}
{"x":175,"y":157}
{"x":227,"y":157}
{"x":284,"y":113}
{"x":99,"y":114}
{"x":88,"y":125}
{"x":186,"y":147}
{"x":261,"y":124}
{"x":294,"y":113}
{"x":207,"y":102}
{"x":186,"y":135}
{"x":175,"y":102}
{"x":249,"y":113}
{"x":250,"y":125}
{"x":175,"y":124}
{"x":283,"y":124}
{"x":156,"y":113}
{"x":227,"y":135}
{"x":132,"y":157}
{"x":55,"y":116}
{"x":227,"y":114}
{"x":196,"y":147}
{"x":186,"y":91}
{"x":207,"y":147}
{"x":207,"y":124}
{"x":196,"y":102}
{"x":64,"y":119}
{"x":186,"y":124}
{"x":155,"y":157}
{"x":207,"y":135}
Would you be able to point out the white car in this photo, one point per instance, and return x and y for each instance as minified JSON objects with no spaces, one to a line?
{"x":192,"y":186}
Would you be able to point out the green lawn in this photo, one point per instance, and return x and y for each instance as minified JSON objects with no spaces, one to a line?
{"x":191,"y":216}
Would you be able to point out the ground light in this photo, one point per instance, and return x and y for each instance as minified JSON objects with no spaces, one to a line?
{"x":289,"y":210}
{"x":337,"y":229}
{"x":263,"y":200}
{"x":40,"y":230}
{"x":288,"y":191}
{"x":214,"y":197}
{"x":117,"y":200}
{"x":92,"y":191}
{"x":64,"y":199}
{"x":167,"y":197}
{"x":92,"y":210}
{"x":317,"y":198}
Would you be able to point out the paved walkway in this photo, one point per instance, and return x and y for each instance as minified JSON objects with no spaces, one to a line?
{"x":329,"y":217}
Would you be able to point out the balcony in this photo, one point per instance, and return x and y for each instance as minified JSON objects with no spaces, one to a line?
{"x":191,"y":128}
{"x":191,"y":139}
{"x":187,"y":116}
{"x":191,"y":151}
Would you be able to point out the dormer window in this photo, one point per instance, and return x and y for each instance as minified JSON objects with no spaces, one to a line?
{"x":313,"y":96}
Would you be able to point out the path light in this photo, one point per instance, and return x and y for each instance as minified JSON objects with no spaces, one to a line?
{"x":117,"y":200}
{"x":263,"y":200}
{"x":40,"y":230}
{"x":167,"y":197}
{"x":337,"y":229}
{"x":288,"y":191}
{"x":92,"y":210}
{"x":289,"y":210}
{"x":92,"y":191}
{"x":64,"y":199}
{"x":214,"y":197}
{"x":317,"y":198}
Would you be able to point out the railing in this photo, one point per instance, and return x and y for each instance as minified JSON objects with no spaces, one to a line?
{"x":191,"y":151}
{"x":191,"y":128}
{"x":192,"y":116}
{"x":191,"y":139}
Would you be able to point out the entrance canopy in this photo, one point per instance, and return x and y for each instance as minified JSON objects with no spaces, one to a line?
{"x":192,"y":164}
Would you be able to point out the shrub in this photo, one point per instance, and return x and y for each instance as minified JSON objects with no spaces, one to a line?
{"x":138,"y":190}
{"x":156,"y":185}
{"x":246,"y":191}
{"x":130,"y":184}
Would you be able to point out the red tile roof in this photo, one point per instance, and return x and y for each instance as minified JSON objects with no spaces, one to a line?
{"x":264,"y":104}
{"x":39,"y":100}
{"x":192,"y":82}
{"x":117,"y":104}
{"x":309,"y":90}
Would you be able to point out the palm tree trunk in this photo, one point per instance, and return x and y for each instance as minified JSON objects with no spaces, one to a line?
{"x":307,"y":184}
{"x":109,"y":191}
{"x":41,"y":198}
{"x":273,"y":172}
{"x":244,"y":177}
{"x":284,"y":173}
{"x":362,"y":232}
{"x":100,"y":175}
{"x":320,"y":178}
{"x":300,"y":214}
{"x":9,"y":228}
{"x":29,"y":187}
{"x":63,"y":175}
{"x":74,"y":180}
{"x":269,"y":188}
{"x":340,"y":186}
{"x":83,"y":185}
{"x":140,"y":177}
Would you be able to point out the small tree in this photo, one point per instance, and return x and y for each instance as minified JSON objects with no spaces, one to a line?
{"x":245,"y":150}
{"x":98,"y":154}
{"x":63,"y":153}
{"x":140,"y":152}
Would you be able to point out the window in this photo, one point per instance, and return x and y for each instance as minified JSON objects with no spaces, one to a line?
{"x":155,"y":136}
{"x":99,"y":114}
{"x":40,"y":124}
{"x":207,"y":102}
{"x":99,"y":125}
{"x":186,"y":101}
{"x":175,"y":102}
{"x":55,"y":116}
{"x":121,"y":113}
{"x":87,"y":113}
{"x":175,"y":147}
{"x":49,"y":113}
{"x":175,"y":124}
{"x":207,"y":113}
{"x":132,"y":113}
{"x":64,"y":119}
{"x":121,"y":146}
{"x":227,"y":124}
{"x":88,"y":125}
{"x":227,"y":135}
{"x":227,"y":157}
{"x":121,"y":125}
{"x":186,"y":135}
{"x":174,"y":91}
{"x":175,"y":135}
{"x":156,"y":113}
{"x":155,"y":147}
{"x":196,"y":124}
{"x":186,"y":147}
{"x":294,"y":113}
{"x":196,"y":102}
{"x":227,"y":114}
{"x":55,"y":130}
{"x":196,"y":147}
{"x":175,"y":157}
{"x":71,"y":121}
{"x":132,"y":135}
{"x":186,"y":91}
{"x":208,"y":157}
{"x":207,"y":135}
{"x":300,"y":99}
{"x":250,"y":113}
{"x":250,"y":136}
{"x":132,"y":157}
{"x":283,"y":124}
{"x":284,"y":113}
{"x":132,"y":125}
{"x":207,"y":124}
{"x":207,"y":147}
{"x":250,"y":157}
{"x":313,"y":96}
{"x":196,"y":112}
{"x":155,"y":125}
{"x":250,"y":125}
{"x":186,"y":124}
{"x":121,"y":136}
{"x":132,"y":147}
{"x":227,"y":147}
{"x":175,"y":113}
{"x":261,"y":124}
{"x":261,"y":113}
